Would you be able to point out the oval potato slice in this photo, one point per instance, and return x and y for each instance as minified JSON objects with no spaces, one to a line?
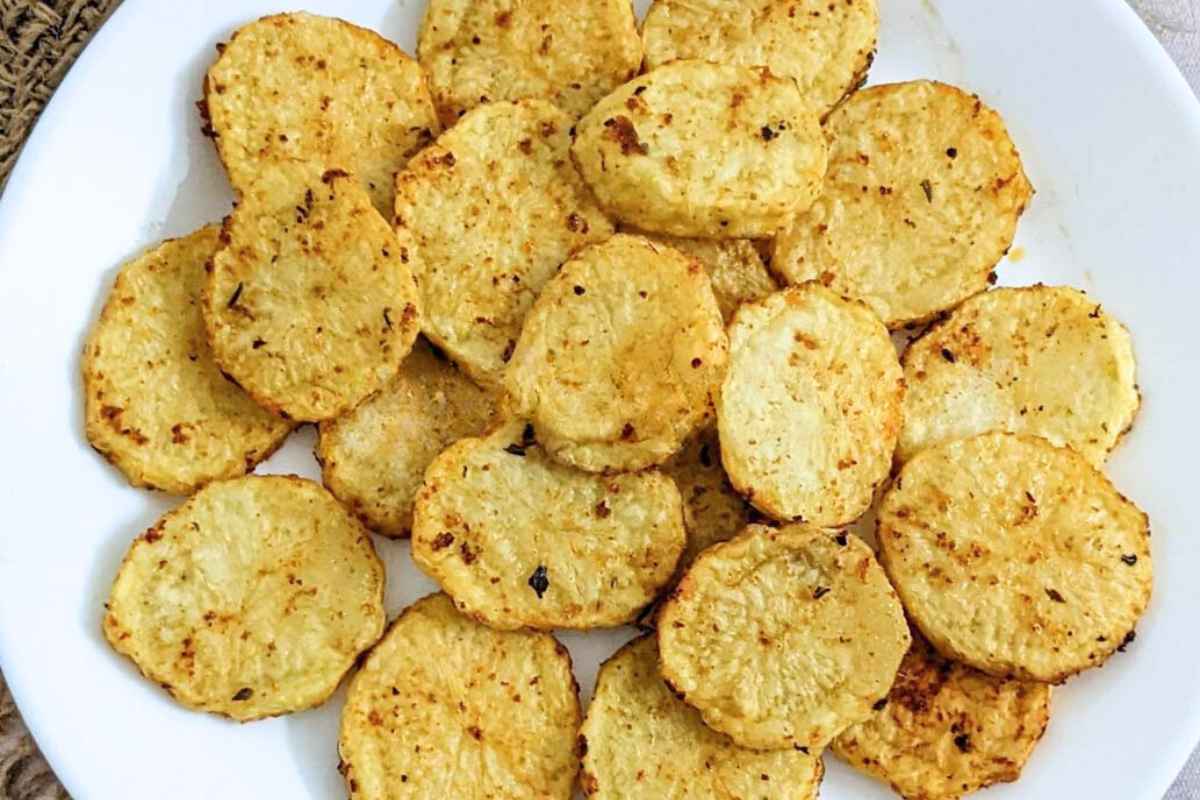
{"x":444,"y":707}
{"x":705,"y":150}
{"x":252,"y":599}
{"x":827,"y":47}
{"x":712,"y":511}
{"x":570,"y":52}
{"x":493,"y":209}
{"x":810,"y":408}
{"x":156,"y":406}
{"x":921,"y":200}
{"x":1039,"y":360}
{"x":1016,"y":557}
{"x":783,"y":637}
{"x":521,"y":541}
{"x":639,"y":741}
{"x":298,"y":94}
{"x":374,"y":458}
{"x":620,"y":356}
{"x":947,"y":730}
{"x":309,"y":306}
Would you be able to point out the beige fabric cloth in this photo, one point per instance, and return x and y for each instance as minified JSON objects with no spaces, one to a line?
{"x":40,"y":41}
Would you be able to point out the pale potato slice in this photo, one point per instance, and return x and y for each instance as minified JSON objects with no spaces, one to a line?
{"x":298,"y":94}
{"x":1016,"y":557}
{"x":735,"y":267}
{"x":827,"y":47}
{"x":810,"y":408}
{"x":519,"y":540}
{"x":712,"y":511}
{"x":640,"y":741}
{"x":705,"y":150}
{"x":309,"y":305}
{"x":156,"y":406}
{"x":783,"y":637}
{"x":251,"y":599}
{"x":570,"y":52}
{"x":446,"y":708}
{"x":493,"y":209}
{"x":1039,"y":360}
{"x":920,"y":202}
{"x":946,"y":730}
{"x":620,"y":356}
{"x":374,"y":458}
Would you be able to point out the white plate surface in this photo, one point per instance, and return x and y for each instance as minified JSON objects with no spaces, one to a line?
{"x":1111,"y":139}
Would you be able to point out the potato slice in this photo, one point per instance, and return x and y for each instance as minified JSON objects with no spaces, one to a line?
{"x":639,"y":741}
{"x":521,"y":541}
{"x":570,"y":52}
{"x":1040,"y":360}
{"x":493,"y":209}
{"x":251,"y":599}
{"x":1016,"y":557}
{"x":298,"y":94}
{"x":157,"y":407}
{"x":447,"y":708}
{"x":827,"y":47}
{"x":706,"y":150}
{"x":783,"y":637}
{"x":374,"y":458}
{"x":920,"y":202}
{"x":946,"y":730}
{"x":619,"y":356}
{"x":810,"y":408}
{"x":712,"y":511}
{"x":309,"y":305}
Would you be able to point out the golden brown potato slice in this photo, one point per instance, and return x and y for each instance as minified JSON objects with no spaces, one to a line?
{"x":493,"y":209}
{"x":570,"y":52}
{"x":921,"y":200}
{"x":712,"y":511}
{"x":619,"y":356}
{"x":309,"y":305}
{"x":374,"y":458}
{"x":946,"y":730}
{"x":157,"y":407}
{"x":783,"y":637}
{"x":1040,"y":360}
{"x":1016,"y":557}
{"x":250,"y":600}
{"x":706,"y":150}
{"x":827,"y":47}
{"x":519,"y":540}
{"x":298,"y":94}
{"x":446,"y":708}
{"x":640,"y":741}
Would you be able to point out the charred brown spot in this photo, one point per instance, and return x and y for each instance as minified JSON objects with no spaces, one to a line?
{"x":177,"y":434}
{"x":621,"y":130}
{"x":820,"y":592}
{"x":628,"y":432}
{"x":443,"y":540}
{"x":1130,"y":559}
{"x":245,"y":693}
{"x":526,"y":146}
{"x":504,"y":19}
{"x":576,"y":223}
{"x":963,"y":742}
{"x":602,"y":509}
{"x":1128,"y":640}
{"x":468,"y":556}
{"x":539,"y":582}
{"x":1055,"y":595}
{"x":927,"y":188}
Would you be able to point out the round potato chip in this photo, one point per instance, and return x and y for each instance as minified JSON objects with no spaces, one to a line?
{"x":783,"y":637}
{"x":827,"y":47}
{"x":493,"y":209}
{"x":447,"y":708}
{"x":620,"y":356}
{"x":921,"y":200}
{"x":297,"y":94}
{"x":251,"y":599}
{"x":157,"y":407}
{"x":639,"y":741}
{"x":309,"y":306}
{"x":570,"y":52}
{"x":735,"y":267}
{"x":519,"y":540}
{"x":374,"y":458}
{"x":1016,"y":557}
{"x":1038,"y":360}
{"x":706,"y":150}
{"x":810,"y":408}
{"x":712,"y":511}
{"x":946,"y":730}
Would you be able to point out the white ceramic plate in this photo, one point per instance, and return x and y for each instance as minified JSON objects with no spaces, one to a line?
{"x":1111,"y":138}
